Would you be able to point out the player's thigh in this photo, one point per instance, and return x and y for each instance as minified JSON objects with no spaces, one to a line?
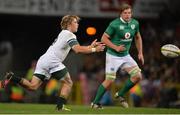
{"x":60,"y":74}
{"x":42,"y":69}
{"x":128,"y":63}
{"x":50,"y":68}
{"x":112,"y":65}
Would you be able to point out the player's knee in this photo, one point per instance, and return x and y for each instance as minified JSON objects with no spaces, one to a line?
{"x":110,"y":77}
{"x":107,"y":83}
{"x":135,"y":74}
{"x":139,"y":76}
{"x":136,"y":78}
{"x":70,"y":83}
{"x":33,"y":87}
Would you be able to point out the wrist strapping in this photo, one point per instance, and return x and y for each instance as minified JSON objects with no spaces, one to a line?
{"x":93,"y":49}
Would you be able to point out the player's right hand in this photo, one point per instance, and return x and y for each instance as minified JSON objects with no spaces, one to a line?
{"x":100,"y":47}
{"x":120,"y":48}
{"x":95,"y":43}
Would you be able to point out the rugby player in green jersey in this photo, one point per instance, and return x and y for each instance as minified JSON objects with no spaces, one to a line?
{"x":118,"y":38}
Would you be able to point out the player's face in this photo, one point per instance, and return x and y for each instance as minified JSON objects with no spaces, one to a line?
{"x":74,"y":25}
{"x":126,"y":15}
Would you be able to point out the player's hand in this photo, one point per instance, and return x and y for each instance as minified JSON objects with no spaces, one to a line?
{"x":141,"y":58}
{"x":95,"y":43}
{"x":120,"y":48}
{"x":100,"y":47}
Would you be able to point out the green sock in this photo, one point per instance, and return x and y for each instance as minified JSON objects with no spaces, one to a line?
{"x":100,"y":93}
{"x":128,"y":85}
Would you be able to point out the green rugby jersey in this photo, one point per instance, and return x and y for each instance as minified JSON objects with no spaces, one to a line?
{"x":122,"y":32}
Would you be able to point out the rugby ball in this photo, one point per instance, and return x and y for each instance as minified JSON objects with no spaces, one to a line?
{"x":170,"y":50}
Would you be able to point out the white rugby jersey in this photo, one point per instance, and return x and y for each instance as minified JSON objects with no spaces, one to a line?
{"x":61,"y":46}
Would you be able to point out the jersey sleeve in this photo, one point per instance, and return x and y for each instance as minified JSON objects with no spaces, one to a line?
{"x":72,"y":40}
{"x":110,"y":30}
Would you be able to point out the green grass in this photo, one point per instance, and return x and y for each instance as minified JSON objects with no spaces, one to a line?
{"x":8,"y":108}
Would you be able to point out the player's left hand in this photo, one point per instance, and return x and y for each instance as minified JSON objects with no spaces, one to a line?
{"x":141,"y":58}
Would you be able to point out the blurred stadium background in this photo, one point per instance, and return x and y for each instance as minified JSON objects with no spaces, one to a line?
{"x":28,"y":28}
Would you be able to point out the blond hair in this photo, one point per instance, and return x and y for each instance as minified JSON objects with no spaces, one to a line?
{"x":66,"y":20}
{"x":124,"y":6}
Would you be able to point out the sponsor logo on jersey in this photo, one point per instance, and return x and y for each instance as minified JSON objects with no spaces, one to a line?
{"x":133,"y":26}
{"x":121,"y":27}
{"x":127,"y":35}
{"x":126,"y":40}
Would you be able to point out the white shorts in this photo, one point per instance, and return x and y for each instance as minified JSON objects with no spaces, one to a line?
{"x":113,"y":63}
{"x":47,"y":65}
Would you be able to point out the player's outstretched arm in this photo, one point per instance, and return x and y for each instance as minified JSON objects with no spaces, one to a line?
{"x":94,"y":47}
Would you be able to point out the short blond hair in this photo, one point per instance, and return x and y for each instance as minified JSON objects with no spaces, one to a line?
{"x":67,"y":19}
{"x":124,"y":6}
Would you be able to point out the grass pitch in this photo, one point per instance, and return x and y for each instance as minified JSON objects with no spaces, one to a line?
{"x":15,"y":108}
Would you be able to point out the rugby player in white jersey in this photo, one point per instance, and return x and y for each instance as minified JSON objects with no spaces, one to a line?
{"x":50,"y":64}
